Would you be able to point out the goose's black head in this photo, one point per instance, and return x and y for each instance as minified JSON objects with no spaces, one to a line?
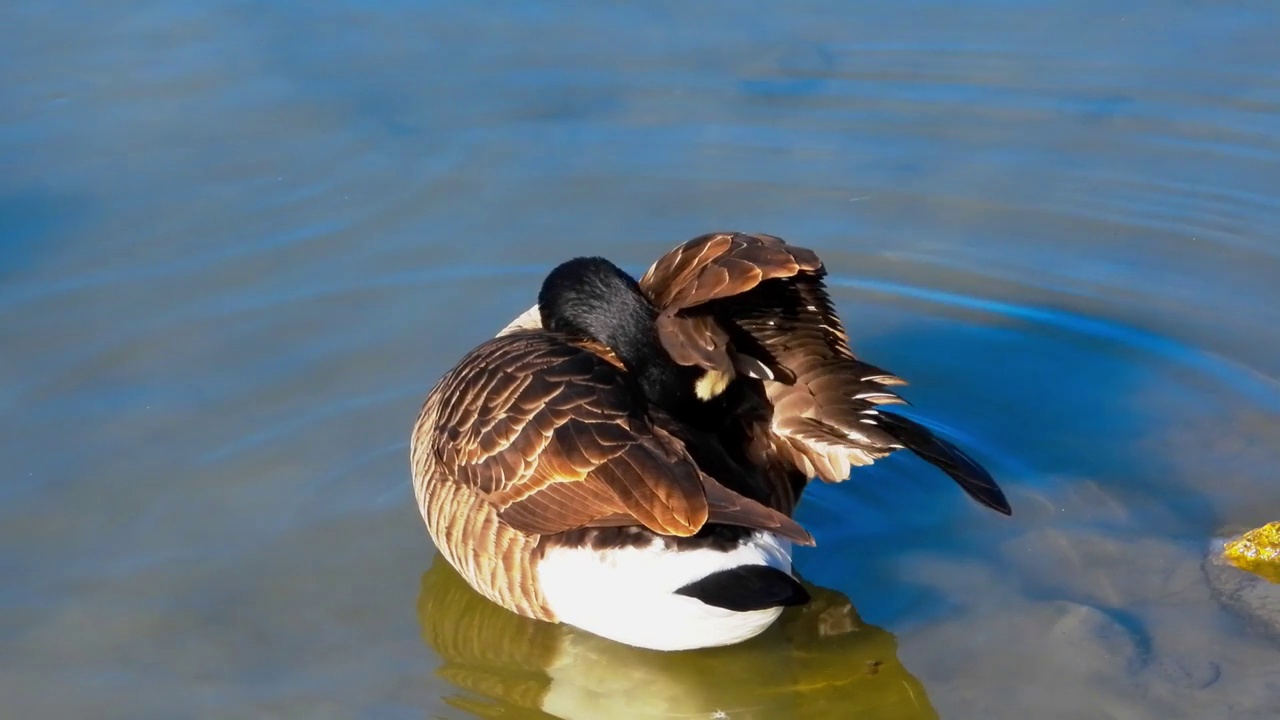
{"x":592,"y":298}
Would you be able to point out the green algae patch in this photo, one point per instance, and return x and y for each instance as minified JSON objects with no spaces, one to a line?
{"x":1257,"y":551}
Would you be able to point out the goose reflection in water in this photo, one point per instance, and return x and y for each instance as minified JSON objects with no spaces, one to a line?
{"x":817,"y":661}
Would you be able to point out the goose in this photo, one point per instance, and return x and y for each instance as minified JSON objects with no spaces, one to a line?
{"x":626,"y":456}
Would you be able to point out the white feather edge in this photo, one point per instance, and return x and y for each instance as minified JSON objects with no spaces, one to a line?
{"x":528,"y":320}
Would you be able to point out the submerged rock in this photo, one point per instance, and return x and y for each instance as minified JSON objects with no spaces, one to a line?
{"x":1257,"y":551}
{"x":1243,"y":573}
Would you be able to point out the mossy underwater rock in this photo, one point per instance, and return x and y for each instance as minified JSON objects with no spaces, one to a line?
{"x":1257,"y":551}
{"x":1244,"y":573}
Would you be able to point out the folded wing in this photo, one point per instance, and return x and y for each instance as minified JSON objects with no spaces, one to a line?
{"x":550,"y":435}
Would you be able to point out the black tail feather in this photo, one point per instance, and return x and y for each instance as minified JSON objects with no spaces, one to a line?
{"x":972,"y":477}
{"x":746,"y":588}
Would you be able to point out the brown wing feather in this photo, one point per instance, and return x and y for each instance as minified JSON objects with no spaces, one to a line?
{"x":547,"y":432}
{"x":698,"y":340}
{"x":709,"y":268}
{"x":831,"y":413}
{"x":769,"y":308}
{"x":828,"y":409}
{"x":550,"y":436}
{"x":720,"y":265}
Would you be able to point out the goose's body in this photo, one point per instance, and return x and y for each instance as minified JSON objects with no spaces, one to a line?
{"x":626,"y":458}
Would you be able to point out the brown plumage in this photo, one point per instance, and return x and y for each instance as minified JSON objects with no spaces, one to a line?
{"x":538,"y":439}
{"x":531,"y":436}
{"x":774,"y":321}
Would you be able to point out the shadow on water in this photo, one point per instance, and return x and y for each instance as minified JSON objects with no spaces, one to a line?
{"x":818,"y":661}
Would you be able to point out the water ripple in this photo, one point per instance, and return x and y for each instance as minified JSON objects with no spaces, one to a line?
{"x":1243,"y":379}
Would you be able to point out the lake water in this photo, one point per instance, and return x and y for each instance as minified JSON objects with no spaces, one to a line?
{"x":241,"y":241}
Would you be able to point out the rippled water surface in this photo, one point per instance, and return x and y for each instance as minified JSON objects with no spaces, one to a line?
{"x":242,"y":240}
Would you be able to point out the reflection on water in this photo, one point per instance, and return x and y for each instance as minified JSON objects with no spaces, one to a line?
{"x":819,"y":661}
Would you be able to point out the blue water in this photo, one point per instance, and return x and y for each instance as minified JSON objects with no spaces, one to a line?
{"x":240,"y":241}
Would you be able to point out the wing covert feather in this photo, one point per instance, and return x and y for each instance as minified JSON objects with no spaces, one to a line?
{"x":549,"y":434}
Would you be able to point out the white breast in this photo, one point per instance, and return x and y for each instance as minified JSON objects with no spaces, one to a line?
{"x":628,"y":594}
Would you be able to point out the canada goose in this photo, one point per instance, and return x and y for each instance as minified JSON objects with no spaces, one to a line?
{"x":626,"y":456}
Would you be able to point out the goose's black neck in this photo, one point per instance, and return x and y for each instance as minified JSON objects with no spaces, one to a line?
{"x":594,"y":299}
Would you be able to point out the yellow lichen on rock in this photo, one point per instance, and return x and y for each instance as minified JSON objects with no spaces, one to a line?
{"x":1257,"y":551}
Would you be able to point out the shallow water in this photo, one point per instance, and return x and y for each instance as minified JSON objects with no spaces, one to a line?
{"x":242,"y":240}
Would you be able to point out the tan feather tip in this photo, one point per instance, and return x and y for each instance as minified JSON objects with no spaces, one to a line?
{"x":881,"y":398}
{"x":711,"y":384}
{"x":885,"y":379}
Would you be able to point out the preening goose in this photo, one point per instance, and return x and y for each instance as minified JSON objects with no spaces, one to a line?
{"x":626,"y":456}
